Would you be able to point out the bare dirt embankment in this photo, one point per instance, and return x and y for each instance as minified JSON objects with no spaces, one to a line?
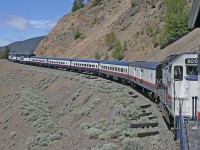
{"x":188,"y":43}
{"x":49,"y":109}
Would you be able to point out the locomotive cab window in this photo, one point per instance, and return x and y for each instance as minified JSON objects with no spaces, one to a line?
{"x":178,"y":73}
{"x":191,"y":70}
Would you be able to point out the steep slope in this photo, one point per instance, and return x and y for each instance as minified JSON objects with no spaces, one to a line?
{"x":28,"y":45}
{"x":45,"y":109}
{"x":135,"y":22}
{"x":188,"y":43}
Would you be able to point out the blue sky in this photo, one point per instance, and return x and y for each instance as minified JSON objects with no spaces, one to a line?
{"x":23,"y":19}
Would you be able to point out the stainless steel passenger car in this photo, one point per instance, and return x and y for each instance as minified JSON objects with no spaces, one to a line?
{"x":39,"y":61}
{"x":85,"y":65}
{"x":146,"y":74}
{"x":64,"y":63}
{"x":118,"y":70}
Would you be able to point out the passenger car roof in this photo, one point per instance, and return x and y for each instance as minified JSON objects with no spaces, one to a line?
{"x":124,"y":63}
{"x":85,"y":60}
{"x":145,"y":64}
{"x":53,"y":58}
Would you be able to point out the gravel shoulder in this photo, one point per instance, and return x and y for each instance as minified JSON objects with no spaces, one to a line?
{"x":42,"y":108}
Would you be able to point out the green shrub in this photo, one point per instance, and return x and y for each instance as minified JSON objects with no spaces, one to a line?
{"x":87,"y":98}
{"x":97,"y":56}
{"x":115,"y":133}
{"x":130,"y":112}
{"x":38,"y":113}
{"x":109,"y":146}
{"x":4,"y":53}
{"x":95,"y":20}
{"x":93,"y":133}
{"x":76,"y":33}
{"x":110,"y":39}
{"x":96,"y":3}
{"x":125,"y":46}
{"x":13,"y":135}
{"x":175,"y":17}
{"x":118,"y":52}
{"x":82,"y":112}
{"x":131,"y":144}
{"x":85,"y":126}
{"x":54,"y":137}
{"x":150,"y":29}
{"x":95,"y":103}
{"x":153,"y":3}
{"x":106,"y":56}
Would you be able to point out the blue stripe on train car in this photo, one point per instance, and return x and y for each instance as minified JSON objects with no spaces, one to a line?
{"x":59,"y":65}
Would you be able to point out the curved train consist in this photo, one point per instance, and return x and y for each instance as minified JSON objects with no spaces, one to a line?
{"x":174,"y":80}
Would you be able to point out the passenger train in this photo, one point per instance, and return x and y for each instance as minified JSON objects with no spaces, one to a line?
{"x":174,"y":80}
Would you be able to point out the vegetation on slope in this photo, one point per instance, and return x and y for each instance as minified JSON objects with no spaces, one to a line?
{"x":118,"y":50}
{"x":4,"y":54}
{"x":78,"y":4}
{"x":144,"y":26}
{"x":175,"y":18}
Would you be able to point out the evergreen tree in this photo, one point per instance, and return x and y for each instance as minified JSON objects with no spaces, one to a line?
{"x":4,"y":54}
{"x":78,"y":4}
{"x":74,"y":7}
{"x":118,"y":52}
{"x":175,"y":17}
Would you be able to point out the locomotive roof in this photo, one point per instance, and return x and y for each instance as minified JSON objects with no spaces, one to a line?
{"x":145,"y":64}
{"x":172,"y":58}
{"x":124,"y":63}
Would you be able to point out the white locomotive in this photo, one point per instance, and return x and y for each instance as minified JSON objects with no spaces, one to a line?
{"x":180,"y":85}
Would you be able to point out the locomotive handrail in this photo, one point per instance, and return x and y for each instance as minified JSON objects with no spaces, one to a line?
{"x":184,"y":145}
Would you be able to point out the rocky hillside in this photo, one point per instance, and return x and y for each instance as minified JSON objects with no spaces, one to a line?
{"x":136,"y":23}
{"x":28,"y":45}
